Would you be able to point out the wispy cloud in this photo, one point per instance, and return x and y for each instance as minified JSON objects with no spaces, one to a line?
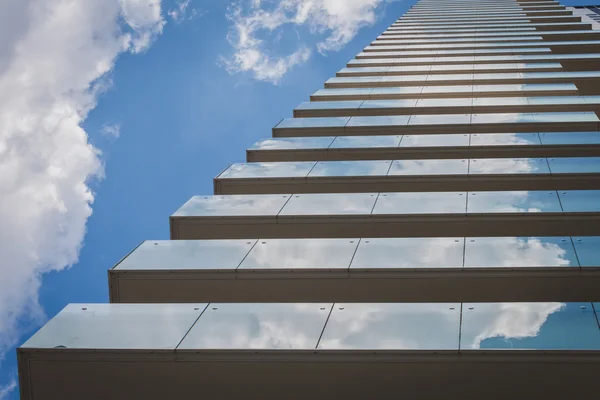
{"x":111,"y":130}
{"x":183,"y":12}
{"x":256,"y":24}
{"x":7,"y":389}
{"x":55,"y":57}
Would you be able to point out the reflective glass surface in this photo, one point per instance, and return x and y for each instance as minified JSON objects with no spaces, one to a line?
{"x":529,"y":87}
{"x":435,"y":140}
{"x":574,"y":165}
{"x":518,"y":252}
{"x":501,"y":118}
{"x":505,"y":139}
{"x":313,"y":122}
{"x":330,"y":204}
{"x":350,"y":168}
{"x":348,"y":142}
{"x":232,"y":205}
{"x":417,"y":253}
{"x":342,"y":91}
{"x":580,"y":200}
{"x":378,"y":70}
{"x":421,"y":203}
{"x":552,"y":100}
{"x":297,"y":169}
{"x":187,"y":254}
{"x":533,"y":326}
{"x":408,"y":103}
{"x":524,"y":66}
{"x":443,"y":119}
{"x":411,"y":68}
{"x":459,"y":40}
{"x":258,"y":326}
{"x":429,"y":167}
{"x":588,"y":251}
{"x":397,"y":326}
{"x":464,"y":102}
{"x":514,"y":26}
{"x":117,"y":326}
{"x":459,"y":67}
{"x":293,"y":143}
{"x":513,"y":202}
{"x":499,"y":101}
{"x":322,"y":105}
{"x":559,"y":138}
{"x":447,"y":89}
{"x":566,"y":117}
{"x":391,"y":120}
{"x":592,"y":99}
{"x":509,"y":166}
{"x":396,"y":91}
{"x":355,"y":79}
{"x":301,"y":254}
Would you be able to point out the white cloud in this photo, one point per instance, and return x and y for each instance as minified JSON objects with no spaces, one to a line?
{"x":178,"y":13}
{"x":54,"y":61}
{"x":111,"y":130}
{"x":182,"y":12}
{"x":336,"y":22}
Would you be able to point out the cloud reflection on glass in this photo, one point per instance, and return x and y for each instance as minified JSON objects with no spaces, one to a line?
{"x":534,"y":326}
{"x":258,"y":326}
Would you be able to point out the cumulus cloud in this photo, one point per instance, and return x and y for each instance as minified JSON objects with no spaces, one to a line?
{"x":256,"y":24}
{"x":54,"y":61}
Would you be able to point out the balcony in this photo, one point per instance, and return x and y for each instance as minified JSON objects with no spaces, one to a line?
{"x":221,"y":350}
{"x":450,"y":69}
{"x":438,"y":146}
{"x":357,"y":270}
{"x":571,"y":62}
{"x":406,"y":214}
{"x":476,"y":105}
{"x":438,"y":123}
{"x":364,"y":176}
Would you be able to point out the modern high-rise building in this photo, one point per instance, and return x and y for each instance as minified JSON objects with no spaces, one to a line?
{"x":426,"y":226}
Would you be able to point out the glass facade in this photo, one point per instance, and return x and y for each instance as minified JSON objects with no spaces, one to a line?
{"x":427,"y":222}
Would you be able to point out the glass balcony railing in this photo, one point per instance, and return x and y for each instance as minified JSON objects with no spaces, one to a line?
{"x":524,"y":25}
{"x":455,"y":91}
{"x":408,"y":18}
{"x":546,"y":34}
{"x":392,"y":204}
{"x":446,"y":105}
{"x":469,"y":123}
{"x":424,"y":167}
{"x":387,"y":41}
{"x":544,"y":139}
{"x":193,"y":271}
{"x":492,"y":45}
{"x":511,"y":27}
{"x":478,"y":15}
{"x":453,"y":327}
{"x":483,"y":20}
{"x":448,"y":69}
{"x":362,"y":62}
{"x":439,"y":53}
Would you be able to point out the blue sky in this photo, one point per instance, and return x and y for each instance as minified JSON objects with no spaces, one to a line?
{"x":166,"y":119}
{"x":170,"y":93}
